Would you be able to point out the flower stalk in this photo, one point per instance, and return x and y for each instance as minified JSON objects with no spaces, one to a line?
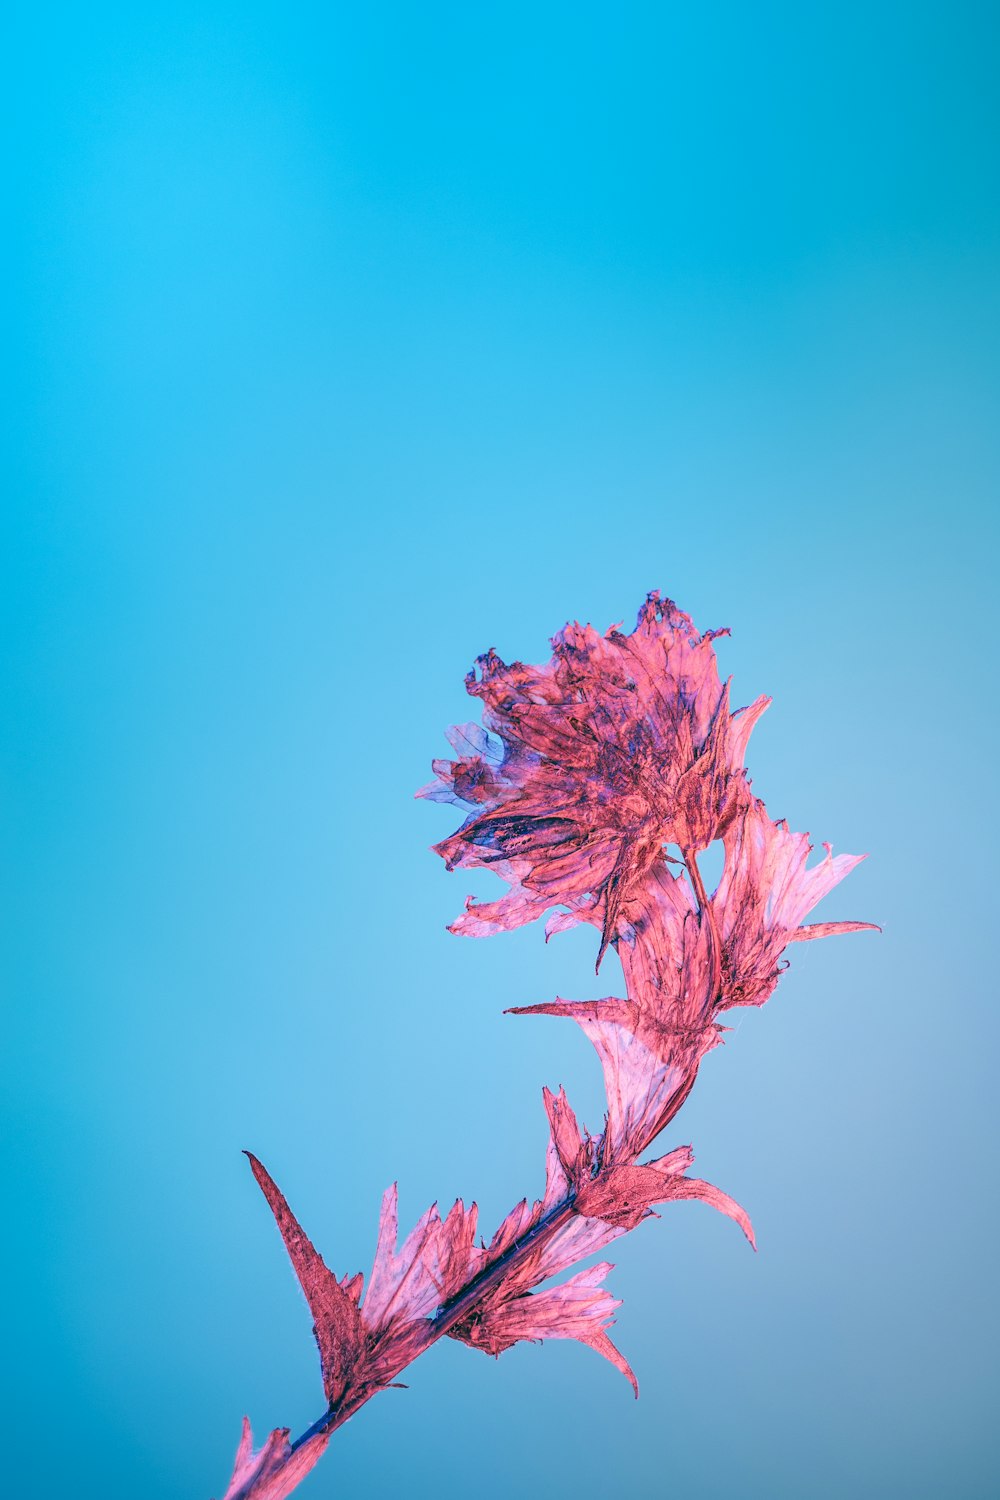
{"x":581,"y":775}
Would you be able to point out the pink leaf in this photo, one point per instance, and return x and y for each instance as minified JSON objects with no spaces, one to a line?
{"x":565,"y":1132}
{"x":277,"y":1469}
{"x":368,"y":1346}
{"x":648,"y":1067}
{"x":829,"y":929}
{"x":434,"y":1260}
{"x":693,"y":1187}
{"x":578,"y":1309}
{"x":338,"y":1327}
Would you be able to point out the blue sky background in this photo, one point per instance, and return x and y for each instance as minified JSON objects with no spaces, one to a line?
{"x":342,"y":343}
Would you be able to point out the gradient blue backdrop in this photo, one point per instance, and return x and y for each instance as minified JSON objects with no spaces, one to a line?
{"x":342,"y":343}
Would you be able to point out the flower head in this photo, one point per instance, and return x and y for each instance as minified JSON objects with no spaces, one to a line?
{"x":615,"y":748}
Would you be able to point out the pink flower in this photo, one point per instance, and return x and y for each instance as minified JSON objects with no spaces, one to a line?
{"x":618,"y":746}
{"x":765,"y":891}
{"x":583,"y":773}
{"x":683,"y":966}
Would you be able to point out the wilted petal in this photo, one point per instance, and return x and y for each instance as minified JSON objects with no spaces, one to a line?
{"x":562,"y":921}
{"x":741,"y":725}
{"x":514,"y":909}
{"x":275,"y":1471}
{"x":471,"y":739}
{"x":626,"y":1012}
{"x":674,"y":664}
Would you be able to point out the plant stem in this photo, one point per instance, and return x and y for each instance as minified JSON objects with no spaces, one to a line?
{"x":458,"y":1308}
{"x":706,"y":914}
{"x":453,"y":1312}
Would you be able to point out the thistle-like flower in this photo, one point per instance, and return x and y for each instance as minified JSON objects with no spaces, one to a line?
{"x":617,"y":747}
{"x":584,"y":773}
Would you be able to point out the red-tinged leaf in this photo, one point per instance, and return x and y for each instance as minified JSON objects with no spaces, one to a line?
{"x":829,"y":929}
{"x":767,"y":888}
{"x":574,"y":1241}
{"x":338,"y":1327}
{"x":570,"y":1241}
{"x":645,"y":1068}
{"x":369,"y":1345}
{"x":618,"y":745}
{"x":435,"y":1262}
{"x":625,"y":1012}
{"x":624,"y":1192}
{"x":565,"y":1132}
{"x":670,"y":959}
{"x":694,"y":1187}
{"x":576,"y":1238}
{"x":663,"y":1181}
{"x":274,"y":1472}
{"x":579,"y":1309}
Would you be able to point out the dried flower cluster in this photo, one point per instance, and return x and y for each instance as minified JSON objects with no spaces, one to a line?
{"x":585,"y":773}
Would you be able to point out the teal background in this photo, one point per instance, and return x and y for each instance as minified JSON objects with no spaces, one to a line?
{"x":343,"y":342}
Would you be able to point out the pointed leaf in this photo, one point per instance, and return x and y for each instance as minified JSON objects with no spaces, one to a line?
{"x":338,"y":1328}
